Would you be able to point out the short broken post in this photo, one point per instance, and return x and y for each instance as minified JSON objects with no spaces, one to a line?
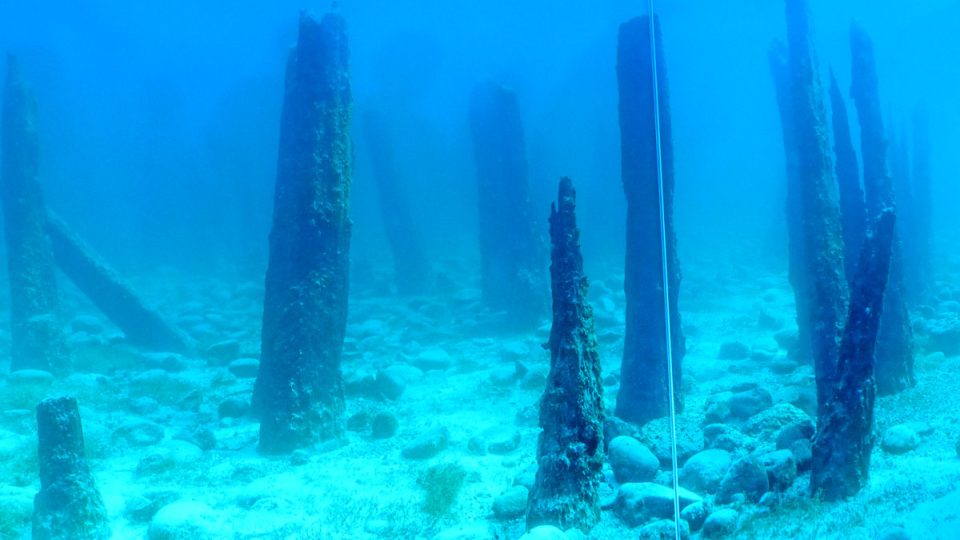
{"x":37,"y":338}
{"x":68,"y":506}
{"x":570,"y":449}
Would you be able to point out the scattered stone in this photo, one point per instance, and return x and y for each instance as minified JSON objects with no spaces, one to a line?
{"x":497,"y":440}
{"x":389,"y":384}
{"x":359,"y":422}
{"x":794,"y":432}
{"x":631,"y":461}
{"x":233,"y":407}
{"x":781,"y":467}
{"x":384,"y":425}
{"x":733,"y":350}
{"x":638,"y":502}
{"x":244,"y":368}
{"x":720,"y":523}
{"x":167,"y":361}
{"x":787,"y":339}
{"x":769,"y":500}
{"x":139,"y":433}
{"x":511,"y":504}
{"x":945,"y":336}
{"x":428,"y":444}
{"x":614,"y":427}
{"x":768,"y":321}
{"x":202,"y":436}
{"x":503,"y":376}
{"x":144,"y":405}
{"x":655,"y":435}
{"x":695,"y":514}
{"x":433,"y":359}
{"x":299,"y":457}
{"x":141,"y":508}
{"x":802,"y":450}
{"x":772,"y":420}
{"x":746,"y":476}
{"x":704,"y":470}
{"x":782,"y":366}
{"x":745,"y":404}
{"x":182,"y":520}
{"x":224,"y":351}
{"x":899,"y":439}
{"x":726,"y":437}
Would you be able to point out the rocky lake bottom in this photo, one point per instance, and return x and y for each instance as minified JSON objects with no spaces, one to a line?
{"x":442,"y":423}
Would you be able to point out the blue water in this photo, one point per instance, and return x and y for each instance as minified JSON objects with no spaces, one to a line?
{"x":158,"y":127}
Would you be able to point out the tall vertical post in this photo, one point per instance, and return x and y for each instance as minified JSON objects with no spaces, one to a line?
{"x":37,"y":339}
{"x":894,"y":349}
{"x":570,"y":449}
{"x":822,"y":236}
{"x":643,"y":393}
{"x":409,"y":266}
{"x":852,"y":212}
{"x":299,"y":390}
{"x":797,"y":267}
{"x":511,"y":255}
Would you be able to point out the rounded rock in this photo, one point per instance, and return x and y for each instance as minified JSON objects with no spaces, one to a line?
{"x":899,"y":439}
{"x":720,"y":523}
{"x":704,"y":470}
{"x":631,"y":461}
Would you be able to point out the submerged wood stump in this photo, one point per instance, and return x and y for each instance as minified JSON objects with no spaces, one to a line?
{"x":511,"y":254}
{"x":68,"y":506}
{"x":841,"y":447}
{"x":570,"y":448}
{"x":643,"y":392}
{"x":299,"y":390}
{"x":107,"y":290}
{"x":410,"y":269}
{"x":894,"y":350}
{"x":822,"y":236}
{"x":37,"y":339}
{"x":853,"y":216}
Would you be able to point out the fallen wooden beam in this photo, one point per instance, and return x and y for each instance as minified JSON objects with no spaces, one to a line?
{"x":108,"y":291}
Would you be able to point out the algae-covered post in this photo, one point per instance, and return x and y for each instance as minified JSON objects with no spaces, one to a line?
{"x":511,"y":254}
{"x":410,"y":270}
{"x":570,"y":448}
{"x":820,"y":210}
{"x":68,"y":506}
{"x":852,"y":213}
{"x":108,"y":291}
{"x":841,"y":448}
{"x":37,"y":339}
{"x":894,"y":349}
{"x":299,"y":389}
{"x":643,"y":377}
{"x":797,"y":268}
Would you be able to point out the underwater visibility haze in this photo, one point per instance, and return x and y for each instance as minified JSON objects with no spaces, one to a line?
{"x":480,"y":270}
